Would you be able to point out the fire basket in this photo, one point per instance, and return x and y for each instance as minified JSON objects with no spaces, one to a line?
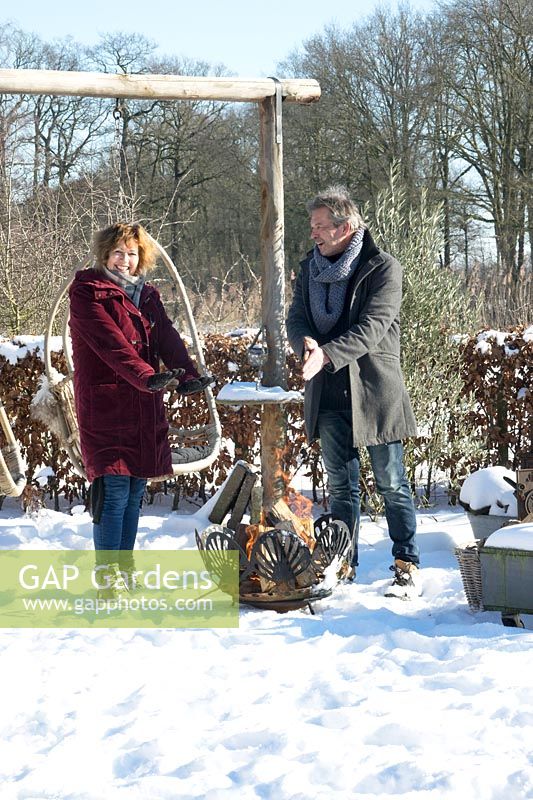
{"x":282,"y":572}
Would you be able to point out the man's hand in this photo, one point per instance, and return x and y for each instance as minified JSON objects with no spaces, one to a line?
{"x":314,"y":358}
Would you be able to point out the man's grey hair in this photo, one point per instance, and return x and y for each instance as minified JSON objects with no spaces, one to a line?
{"x":340,"y":205}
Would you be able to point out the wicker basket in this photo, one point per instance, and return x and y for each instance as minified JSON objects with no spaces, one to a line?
{"x":470,"y":567}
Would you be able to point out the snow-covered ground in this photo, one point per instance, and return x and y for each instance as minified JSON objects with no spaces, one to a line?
{"x":369,"y":698}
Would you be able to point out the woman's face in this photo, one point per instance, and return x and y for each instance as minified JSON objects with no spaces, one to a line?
{"x":124,"y":257}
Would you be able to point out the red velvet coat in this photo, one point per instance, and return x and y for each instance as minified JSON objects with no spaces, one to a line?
{"x":115,"y":348}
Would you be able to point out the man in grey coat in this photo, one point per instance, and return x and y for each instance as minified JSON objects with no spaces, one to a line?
{"x":344,"y":323}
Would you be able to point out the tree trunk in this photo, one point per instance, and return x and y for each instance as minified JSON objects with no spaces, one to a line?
{"x":273,"y":421}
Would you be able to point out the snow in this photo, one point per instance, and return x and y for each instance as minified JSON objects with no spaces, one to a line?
{"x":369,"y":698}
{"x":514,"y":537}
{"x":18,"y":348}
{"x":237,"y":333}
{"x":485,"y":337}
{"x":483,"y":347}
{"x":487,"y":489}
{"x":240,"y":393}
{"x":511,"y":352}
{"x":459,"y":338}
{"x":42,"y":475}
{"x":485,"y":340}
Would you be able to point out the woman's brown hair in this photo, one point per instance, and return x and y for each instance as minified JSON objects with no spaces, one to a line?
{"x":106,"y":240}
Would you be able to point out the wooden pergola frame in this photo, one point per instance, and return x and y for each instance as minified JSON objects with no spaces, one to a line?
{"x":269,"y":93}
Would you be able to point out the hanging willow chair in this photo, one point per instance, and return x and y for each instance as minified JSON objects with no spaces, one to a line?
{"x":12,"y":467}
{"x":195,"y":449}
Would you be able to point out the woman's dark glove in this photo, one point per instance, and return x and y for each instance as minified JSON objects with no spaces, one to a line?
{"x":161,"y":379}
{"x":195,"y":385}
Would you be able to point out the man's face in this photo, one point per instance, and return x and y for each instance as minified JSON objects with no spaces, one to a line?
{"x":330,"y":239}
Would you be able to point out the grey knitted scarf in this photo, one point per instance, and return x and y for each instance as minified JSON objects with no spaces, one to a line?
{"x":329,"y":281}
{"x":132,"y":284}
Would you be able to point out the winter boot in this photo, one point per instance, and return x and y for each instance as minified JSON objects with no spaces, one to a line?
{"x":111,"y":582}
{"x":406,"y":583}
{"x":346,"y":573}
{"x":131,"y":575}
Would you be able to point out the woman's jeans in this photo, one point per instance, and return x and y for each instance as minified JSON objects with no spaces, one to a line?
{"x":119,"y":520}
{"x":342,"y":463}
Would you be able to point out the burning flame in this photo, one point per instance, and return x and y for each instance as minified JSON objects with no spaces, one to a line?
{"x":299,"y":505}
{"x":253,"y":532}
{"x":299,"y":508}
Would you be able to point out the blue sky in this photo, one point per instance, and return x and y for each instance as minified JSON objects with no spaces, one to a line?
{"x":248,"y":37}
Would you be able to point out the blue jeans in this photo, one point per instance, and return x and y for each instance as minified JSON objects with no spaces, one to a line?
{"x":119,"y":520}
{"x":342,"y":463}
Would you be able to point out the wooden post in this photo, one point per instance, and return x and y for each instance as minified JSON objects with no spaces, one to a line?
{"x":273,"y":420}
{"x":153,"y":87}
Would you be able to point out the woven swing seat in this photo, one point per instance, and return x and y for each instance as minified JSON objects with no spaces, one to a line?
{"x":192,"y":444}
{"x":12,"y":466}
{"x":60,"y":405}
{"x":195,"y":449}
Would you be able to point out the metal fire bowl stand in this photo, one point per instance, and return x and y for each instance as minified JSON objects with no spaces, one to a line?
{"x":279,"y":557}
{"x":286,"y":602}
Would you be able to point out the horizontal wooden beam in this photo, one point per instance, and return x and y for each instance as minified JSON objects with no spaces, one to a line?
{"x":155,"y":87}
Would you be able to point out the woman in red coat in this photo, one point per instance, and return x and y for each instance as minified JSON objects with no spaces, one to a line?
{"x":120,"y":332}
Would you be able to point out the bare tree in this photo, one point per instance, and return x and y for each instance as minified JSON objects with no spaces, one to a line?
{"x":376,"y":92}
{"x":490,"y":44}
{"x":114,"y":54}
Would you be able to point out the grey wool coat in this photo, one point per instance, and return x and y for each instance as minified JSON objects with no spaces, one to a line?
{"x":369,"y":347}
